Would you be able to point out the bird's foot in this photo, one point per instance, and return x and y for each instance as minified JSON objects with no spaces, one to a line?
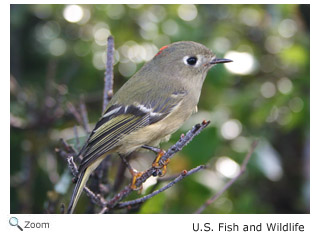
{"x":159,"y":164}
{"x":135,"y":176}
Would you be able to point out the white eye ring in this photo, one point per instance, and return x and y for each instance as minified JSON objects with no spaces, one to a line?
{"x":186,"y":58}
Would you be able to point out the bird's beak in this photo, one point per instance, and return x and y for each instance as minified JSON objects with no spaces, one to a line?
{"x":220,"y":60}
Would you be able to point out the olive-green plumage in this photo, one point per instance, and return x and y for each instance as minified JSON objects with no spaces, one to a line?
{"x":149,"y":107}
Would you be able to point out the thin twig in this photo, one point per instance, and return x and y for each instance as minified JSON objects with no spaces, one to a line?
{"x":161,"y":180}
{"x":50,"y":75}
{"x":66,"y":147}
{"x":72,"y":166}
{"x":84,"y":116}
{"x":97,"y":199}
{"x":119,"y":176}
{"x":76,"y":135}
{"x":169,"y":185}
{"x":242,"y":170}
{"x":62,"y":208}
{"x":74,"y":112}
{"x":108,"y":79}
{"x":167,"y":178}
{"x":183,"y":141}
{"x":103,"y":210}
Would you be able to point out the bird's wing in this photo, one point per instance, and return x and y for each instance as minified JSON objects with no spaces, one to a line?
{"x":119,"y":120}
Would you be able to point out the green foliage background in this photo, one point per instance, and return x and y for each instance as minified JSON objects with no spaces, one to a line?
{"x":54,"y":62}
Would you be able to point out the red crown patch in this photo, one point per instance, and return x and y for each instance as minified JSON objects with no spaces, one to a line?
{"x":161,"y":49}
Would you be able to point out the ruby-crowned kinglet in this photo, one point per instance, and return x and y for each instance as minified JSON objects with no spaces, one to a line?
{"x":149,"y":107}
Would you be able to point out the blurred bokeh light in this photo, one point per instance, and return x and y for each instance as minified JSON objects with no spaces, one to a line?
{"x":73,"y":13}
{"x":245,"y":63}
{"x":227,"y":167}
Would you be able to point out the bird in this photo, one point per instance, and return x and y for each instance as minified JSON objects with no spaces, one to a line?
{"x":149,"y":107}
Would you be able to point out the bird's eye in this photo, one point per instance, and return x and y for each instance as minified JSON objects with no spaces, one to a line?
{"x":192,"y":61}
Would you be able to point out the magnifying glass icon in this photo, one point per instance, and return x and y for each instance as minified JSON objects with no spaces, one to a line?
{"x":13,"y":221}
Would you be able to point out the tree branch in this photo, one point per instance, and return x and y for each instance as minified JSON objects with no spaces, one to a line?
{"x":183,"y":174}
{"x":183,"y":141}
{"x":242,"y":170}
{"x":102,"y":170}
{"x":66,"y":148}
{"x":108,"y":79}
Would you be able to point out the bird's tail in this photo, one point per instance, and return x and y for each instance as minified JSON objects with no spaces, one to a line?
{"x":82,"y":180}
